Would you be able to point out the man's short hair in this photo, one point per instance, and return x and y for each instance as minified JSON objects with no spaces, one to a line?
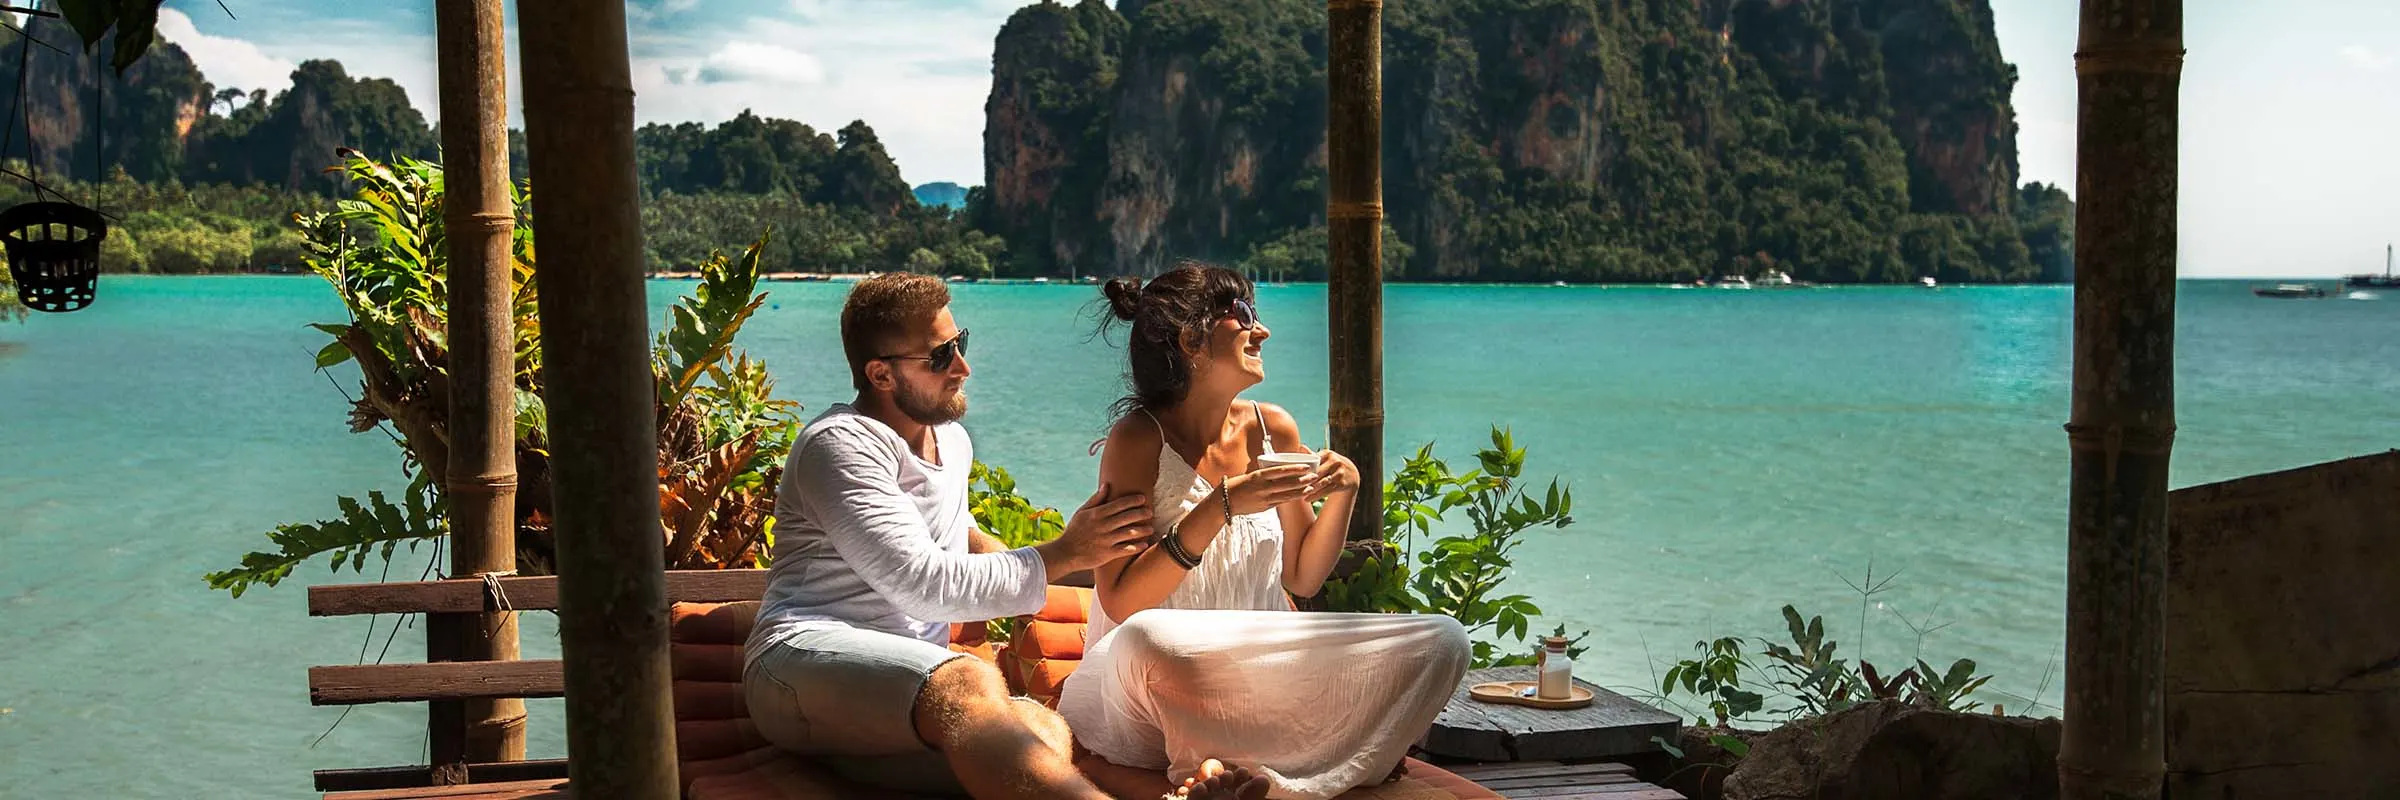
{"x":882,"y":311}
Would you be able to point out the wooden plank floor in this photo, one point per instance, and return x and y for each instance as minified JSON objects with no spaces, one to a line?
{"x":1551,"y":780}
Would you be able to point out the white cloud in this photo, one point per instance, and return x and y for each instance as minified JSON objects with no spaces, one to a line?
{"x":228,"y":62}
{"x":2364,"y":57}
{"x":751,"y":62}
{"x":917,"y":70}
{"x":901,"y":67}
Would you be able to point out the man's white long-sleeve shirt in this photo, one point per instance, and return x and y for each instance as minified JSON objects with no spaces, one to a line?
{"x":868,"y":535}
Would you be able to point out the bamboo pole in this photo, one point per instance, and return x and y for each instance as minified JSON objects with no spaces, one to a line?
{"x":2128,"y":67}
{"x":1354,"y":239}
{"x":479,"y":223}
{"x":601,"y":399}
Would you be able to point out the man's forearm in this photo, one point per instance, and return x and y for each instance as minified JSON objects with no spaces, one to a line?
{"x":980,"y":542}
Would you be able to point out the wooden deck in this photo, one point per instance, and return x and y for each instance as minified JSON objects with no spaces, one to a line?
{"x":1552,"y":780}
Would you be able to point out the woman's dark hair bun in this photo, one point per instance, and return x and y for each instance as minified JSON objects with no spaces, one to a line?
{"x":1124,"y":297}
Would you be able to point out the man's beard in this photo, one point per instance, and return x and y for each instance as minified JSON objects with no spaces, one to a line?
{"x":931,"y":408}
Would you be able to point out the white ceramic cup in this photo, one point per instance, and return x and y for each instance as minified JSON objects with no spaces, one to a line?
{"x":1271,"y":460}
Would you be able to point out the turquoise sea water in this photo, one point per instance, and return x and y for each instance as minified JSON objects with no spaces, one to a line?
{"x":1729,"y":452}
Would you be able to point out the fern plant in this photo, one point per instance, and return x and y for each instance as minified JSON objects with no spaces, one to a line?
{"x":722,"y":434}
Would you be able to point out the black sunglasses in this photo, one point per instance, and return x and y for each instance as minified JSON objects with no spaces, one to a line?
{"x":942,"y":355}
{"x":1244,"y":315}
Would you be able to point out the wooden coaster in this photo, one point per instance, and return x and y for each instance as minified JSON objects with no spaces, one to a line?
{"x":1508,"y":692}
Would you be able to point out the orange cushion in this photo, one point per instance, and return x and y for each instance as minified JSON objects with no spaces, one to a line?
{"x":766,"y":774}
{"x":1049,"y":645}
{"x":704,"y":739}
{"x":1066,"y":604}
{"x":1042,"y":639}
{"x":1044,"y":679}
{"x":711,"y":623}
{"x":709,"y":700}
{"x":705,"y":662}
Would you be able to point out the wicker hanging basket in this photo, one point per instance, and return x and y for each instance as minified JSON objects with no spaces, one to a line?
{"x":53,"y":253}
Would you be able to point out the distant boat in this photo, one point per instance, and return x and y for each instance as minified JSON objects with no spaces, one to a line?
{"x":1775,"y":278}
{"x":1929,"y":283}
{"x":1733,"y":282}
{"x":2290,"y":291}
{"x":2369,"y":281}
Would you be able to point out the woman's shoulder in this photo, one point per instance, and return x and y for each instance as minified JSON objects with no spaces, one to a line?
{"x":1132,"y":432}
{"x":1138,"y":426}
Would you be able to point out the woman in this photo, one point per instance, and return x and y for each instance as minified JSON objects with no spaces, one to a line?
{"x":1192,"y":652}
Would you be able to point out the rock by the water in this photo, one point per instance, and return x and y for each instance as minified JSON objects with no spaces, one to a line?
{"x":1895,"y":751}
{"x":1700,"y":771}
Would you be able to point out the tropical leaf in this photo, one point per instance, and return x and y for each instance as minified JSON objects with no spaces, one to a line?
{"x":360,"y":530}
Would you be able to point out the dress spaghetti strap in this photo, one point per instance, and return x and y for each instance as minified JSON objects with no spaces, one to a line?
{"x":1266,"y":441}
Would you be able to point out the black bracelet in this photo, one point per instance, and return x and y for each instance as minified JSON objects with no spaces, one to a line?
{"x":1174,"y":544}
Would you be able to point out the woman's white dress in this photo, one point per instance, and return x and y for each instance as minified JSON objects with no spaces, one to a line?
{"x":1223,"y":668}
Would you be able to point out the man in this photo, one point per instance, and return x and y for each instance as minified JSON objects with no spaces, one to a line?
{"x":876,"y":555}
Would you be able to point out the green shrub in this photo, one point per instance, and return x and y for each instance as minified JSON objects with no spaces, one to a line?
{"x":1459,"y":574}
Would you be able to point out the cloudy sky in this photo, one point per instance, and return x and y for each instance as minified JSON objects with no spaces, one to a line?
{"x":2290,"y":108}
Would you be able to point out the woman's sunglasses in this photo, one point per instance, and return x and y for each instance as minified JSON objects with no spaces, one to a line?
{"x":942,"y":355}
{"x":1244,"y":315}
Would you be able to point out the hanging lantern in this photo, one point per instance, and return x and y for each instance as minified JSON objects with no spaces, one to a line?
{"x":53,"y":253}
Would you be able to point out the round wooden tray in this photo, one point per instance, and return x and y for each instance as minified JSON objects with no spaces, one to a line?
{"x":1511,"y":693}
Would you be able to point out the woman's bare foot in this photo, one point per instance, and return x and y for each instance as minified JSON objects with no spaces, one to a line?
{"x":1214,"y":781}
{"x":1222,"y":784}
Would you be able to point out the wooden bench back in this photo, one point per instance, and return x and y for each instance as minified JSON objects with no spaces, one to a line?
{"x":698,"y":687}
{"x":452,"y":681}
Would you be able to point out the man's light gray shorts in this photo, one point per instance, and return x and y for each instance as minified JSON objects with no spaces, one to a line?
{"x":851,"y":695}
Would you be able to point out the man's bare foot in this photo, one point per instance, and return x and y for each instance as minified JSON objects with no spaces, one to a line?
{"x":1222,"y":784}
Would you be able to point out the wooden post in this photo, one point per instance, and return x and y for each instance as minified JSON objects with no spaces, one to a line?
{"x":2128,"y":67}
{"x":1354,"y":239}
{"x":612,"y":602}
{"x":480,"y":222}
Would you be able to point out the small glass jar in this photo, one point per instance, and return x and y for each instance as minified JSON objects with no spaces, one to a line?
{"x":1556,"y":670}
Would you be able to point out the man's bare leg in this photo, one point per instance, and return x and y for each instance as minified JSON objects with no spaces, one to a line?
{"x":996,"y":752}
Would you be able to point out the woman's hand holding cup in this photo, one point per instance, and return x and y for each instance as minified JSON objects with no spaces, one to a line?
{"x":1334,"y":473}
{"x":1281,"y":478}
